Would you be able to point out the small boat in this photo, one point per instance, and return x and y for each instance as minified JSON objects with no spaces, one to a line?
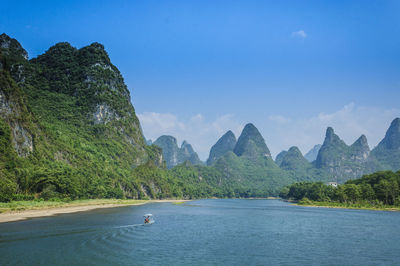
{"x":148,"y":218}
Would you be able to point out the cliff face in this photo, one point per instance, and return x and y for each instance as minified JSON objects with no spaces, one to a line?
{"x":13,"y":107}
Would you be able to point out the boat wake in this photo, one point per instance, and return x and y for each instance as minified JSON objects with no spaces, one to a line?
{"x":133,"y":225}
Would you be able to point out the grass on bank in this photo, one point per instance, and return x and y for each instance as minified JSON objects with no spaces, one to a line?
{"x":348,"y":205}
{"x":41,"y":204}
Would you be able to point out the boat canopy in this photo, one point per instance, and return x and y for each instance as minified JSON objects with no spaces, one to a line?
{"x":149,"y":214}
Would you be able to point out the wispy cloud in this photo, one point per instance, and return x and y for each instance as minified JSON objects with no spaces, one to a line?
{"x":279,"y":119}
{"x":299,"y":34}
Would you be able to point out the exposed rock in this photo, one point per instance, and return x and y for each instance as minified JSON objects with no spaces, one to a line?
{"x":104,"y":114}
{"x":11,"y":47}
{"x":22,"y":139}
{"x":5,"y":108}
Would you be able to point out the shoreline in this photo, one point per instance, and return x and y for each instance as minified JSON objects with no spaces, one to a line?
{"x":20,"y":215}
{"x":394,"y":209}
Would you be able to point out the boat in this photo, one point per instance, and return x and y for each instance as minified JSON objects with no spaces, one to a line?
{"x":148,"y":218}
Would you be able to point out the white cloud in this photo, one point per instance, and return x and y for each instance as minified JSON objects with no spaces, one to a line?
{"x":279,"y":119}
{"x":199,"y":132}
{"x":299,"y":34}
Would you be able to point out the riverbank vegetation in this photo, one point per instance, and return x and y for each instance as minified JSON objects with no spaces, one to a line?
{"x":379,"y":190}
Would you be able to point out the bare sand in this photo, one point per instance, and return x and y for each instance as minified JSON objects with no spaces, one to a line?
{"x":13,"y":216}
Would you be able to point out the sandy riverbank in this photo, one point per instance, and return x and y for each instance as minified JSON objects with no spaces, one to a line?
{"x":12,"y":216}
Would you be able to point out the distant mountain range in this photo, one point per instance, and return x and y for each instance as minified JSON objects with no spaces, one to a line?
{"x":246,"y":162}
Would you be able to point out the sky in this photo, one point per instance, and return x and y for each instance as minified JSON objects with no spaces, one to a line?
{"x":196,"y":69}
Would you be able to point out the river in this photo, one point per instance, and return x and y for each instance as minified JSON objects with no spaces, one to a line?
{"x":206,"y":232}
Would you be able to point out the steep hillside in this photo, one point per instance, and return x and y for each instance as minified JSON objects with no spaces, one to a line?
{"x":225,"y":144}
{"x":68,"y":128}
{"x":342,"y":162}
{"x":251,"y":144}
{"x":388,"y":150}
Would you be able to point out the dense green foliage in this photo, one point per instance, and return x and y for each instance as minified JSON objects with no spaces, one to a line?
{"x":86,"y":140}
{"x":374,"y":189}
{"x":259,"y":177}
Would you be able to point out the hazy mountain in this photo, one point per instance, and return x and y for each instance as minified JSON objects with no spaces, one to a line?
{"x":312,"y":154}
{"x":225,"y":144}
{"x":174,"y":155}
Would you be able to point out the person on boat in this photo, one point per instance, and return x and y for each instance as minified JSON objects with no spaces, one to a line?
{"x":147,"y":220}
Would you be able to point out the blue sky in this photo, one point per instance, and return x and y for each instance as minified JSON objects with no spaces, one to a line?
{"x":198,"y":68}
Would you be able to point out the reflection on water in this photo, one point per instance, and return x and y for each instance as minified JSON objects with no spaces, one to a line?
{"x":216,"y":232}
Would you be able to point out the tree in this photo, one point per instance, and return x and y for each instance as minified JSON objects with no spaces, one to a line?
{"x":367,"y":193}
{"x":353,"y":192}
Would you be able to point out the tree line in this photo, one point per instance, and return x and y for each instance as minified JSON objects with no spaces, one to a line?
{"x":374,"y":189}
